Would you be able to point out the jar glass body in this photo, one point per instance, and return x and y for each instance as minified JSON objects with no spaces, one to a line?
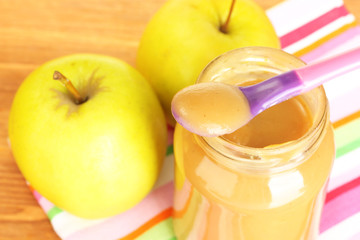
{"x":228,"y":191}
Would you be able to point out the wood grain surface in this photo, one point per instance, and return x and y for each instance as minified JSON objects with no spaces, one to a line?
{"x":32,"y":32}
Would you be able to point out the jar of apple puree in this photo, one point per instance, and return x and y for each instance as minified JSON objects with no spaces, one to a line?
{"x":265,"y":181}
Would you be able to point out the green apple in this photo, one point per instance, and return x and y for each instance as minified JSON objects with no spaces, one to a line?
{"x":185,"y":35}
{"x":95,"y":158}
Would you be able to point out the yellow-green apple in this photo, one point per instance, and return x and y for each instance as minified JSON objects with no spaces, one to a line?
{"x":93,"y":148}
{"x":185,"y":35}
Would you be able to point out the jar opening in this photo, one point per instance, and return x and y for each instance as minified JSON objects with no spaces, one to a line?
{"x":246,"y":66}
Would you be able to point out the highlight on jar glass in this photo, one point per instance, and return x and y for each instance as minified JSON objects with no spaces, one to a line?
{"x":264,"y":179}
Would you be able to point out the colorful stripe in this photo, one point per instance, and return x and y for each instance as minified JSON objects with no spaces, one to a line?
{"x":163,"y":230}
{"x":344,"y":134}
{"x":341,"y":204}
{"x":348,"y":148}
{"x":67,"y":224}
{"x":345,"y":41}
{"x":158,"y":201}
{"x":315,"y":28}
{"x":35,"y":193}
{"x":284,"y":24}
{"x":345,"y":169}
{"x":343,"y":189}
{"x":312,"y":26}
{"x":53,"y":212}
{"x":47,"y":205}
{"x":322,"y":40}
{"x":347,"y":119}
{"x":152,"y":222}
{"x":344,"y":230}
{"x":346,"y":138}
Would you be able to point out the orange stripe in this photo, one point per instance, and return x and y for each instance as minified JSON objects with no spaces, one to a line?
{"x":31,"y":188}
{"x":347,"y":119}
{"x":324,"y":39}
{"x":180,"y":213}
{"x":149,"y":224}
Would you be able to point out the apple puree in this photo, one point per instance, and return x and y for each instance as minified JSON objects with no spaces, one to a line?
{"x":275,"y":127}
{"x":211,"y":109}
{"x":217,"y":200}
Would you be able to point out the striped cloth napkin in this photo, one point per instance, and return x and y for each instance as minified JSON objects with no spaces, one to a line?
{"x":327,"y":28}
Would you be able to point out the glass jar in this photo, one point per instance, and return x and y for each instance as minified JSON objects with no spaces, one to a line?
{"x":225,"y":190}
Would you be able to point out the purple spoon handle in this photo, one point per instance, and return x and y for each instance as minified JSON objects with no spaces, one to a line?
{"x":292,"y":83}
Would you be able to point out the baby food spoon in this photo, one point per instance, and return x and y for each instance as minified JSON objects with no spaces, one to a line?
{"x":213,"y":109}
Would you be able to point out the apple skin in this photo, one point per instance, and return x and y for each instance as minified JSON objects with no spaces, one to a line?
{"x":184,"y":36}
{"x":95,"y":159}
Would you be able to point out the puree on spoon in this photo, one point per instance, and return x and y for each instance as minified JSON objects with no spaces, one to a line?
{"x":211,"y":109}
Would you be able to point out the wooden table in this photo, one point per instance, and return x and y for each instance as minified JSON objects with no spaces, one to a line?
{"x":32,"y":32}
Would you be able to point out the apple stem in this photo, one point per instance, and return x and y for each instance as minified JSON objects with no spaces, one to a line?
{"x":223,"y":28}
{"x":69,"y":86}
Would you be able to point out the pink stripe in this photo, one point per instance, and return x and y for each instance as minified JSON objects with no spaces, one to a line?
{"x":343,"y":189}
{"x":36,"y":195}
{"x":330,"y":45}
{"x":45,"y":204}
{"x":312,"y":26}
{"x":125,"y":223}
{"x":340,"y":208}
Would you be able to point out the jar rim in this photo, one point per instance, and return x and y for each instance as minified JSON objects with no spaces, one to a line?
{"x":276,"y":147}
{"x":269,"y":156}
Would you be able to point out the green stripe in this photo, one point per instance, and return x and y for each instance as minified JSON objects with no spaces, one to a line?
{"x":53,"y":212}
{"x":347,"y":133}
{"x":162,"y":230}
{"x":169,"y":150}
{"x":347,"y":137}
{"x":347,"y":148}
